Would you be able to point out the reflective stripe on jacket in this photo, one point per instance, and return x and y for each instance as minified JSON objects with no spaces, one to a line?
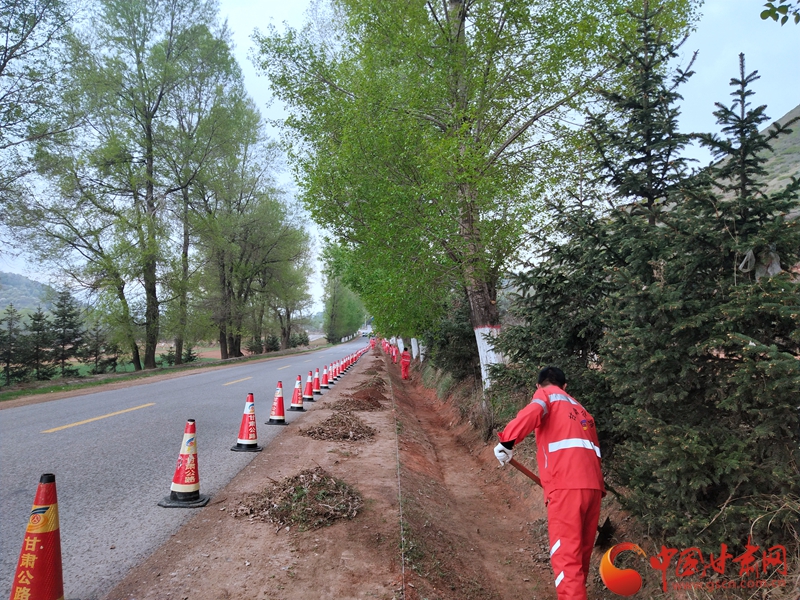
{"x":567,"y":449}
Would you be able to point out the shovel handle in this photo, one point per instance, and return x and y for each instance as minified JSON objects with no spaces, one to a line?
{"x":513,"y":462}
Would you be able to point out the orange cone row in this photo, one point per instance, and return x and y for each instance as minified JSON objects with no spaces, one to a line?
{"x":39,"y":571}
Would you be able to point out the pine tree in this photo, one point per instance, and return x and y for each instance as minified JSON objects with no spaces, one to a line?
{"x":39,"y":355}
{"x":68,"y":333}
{"x":98,"y":351}
{"x":610,"y":235}
{"x":703,"y":354}
{"x":12,"y":346}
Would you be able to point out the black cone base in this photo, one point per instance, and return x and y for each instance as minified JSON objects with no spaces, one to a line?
{"x":183,"y":500}
{"x":276,"y":422}
{"x":246,"y":448}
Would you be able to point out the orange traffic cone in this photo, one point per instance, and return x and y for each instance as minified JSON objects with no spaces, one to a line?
{"x":332,"y":375}
{"x":317,"y":388}
{"x":185,"y":488}
{"x":297,"y":396}
{"x":277,"y":416}
{"x":39,"y":573}
{"x":308,"y":392}
{"x":248,"y":437}
{"x":324,"y":383}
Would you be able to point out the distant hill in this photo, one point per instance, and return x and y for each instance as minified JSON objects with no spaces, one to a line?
{"x":784,"y":161}
{"x":25,"y":294}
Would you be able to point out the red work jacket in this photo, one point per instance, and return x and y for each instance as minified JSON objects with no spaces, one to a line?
{"x":567,"y":449}
{"x":405,"y":358}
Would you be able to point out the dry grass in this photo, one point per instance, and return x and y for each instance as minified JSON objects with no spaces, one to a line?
{"x":311,"y":499}
{"x":341,"y":425}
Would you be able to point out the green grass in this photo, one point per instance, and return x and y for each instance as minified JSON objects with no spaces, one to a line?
{"x":128,"y":374}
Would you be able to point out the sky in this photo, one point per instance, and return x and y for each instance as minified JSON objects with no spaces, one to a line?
{"x":726,"y":28}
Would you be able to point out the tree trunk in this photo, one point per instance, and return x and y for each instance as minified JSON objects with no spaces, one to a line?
{"x":480,"y":287}
{"x":184,"y":281}
{"x":130,"y":336}
{"x":150,"y":257}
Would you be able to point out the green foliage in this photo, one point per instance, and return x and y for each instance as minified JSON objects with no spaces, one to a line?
{"x":451,"y":341}
{"x":344,"y":311}
{"x":299,"y":339}
{"x":39,"y":350}
{"x":168,"y":357}
{"x":98,"y":351}
{"x":781,"y":10}
{"x":703,"y":356}
{"x":671,"y":318}
{"x":426,"y":135}
{"x":189,"y":355}
{"x":272,"y":343}
{"x":12,"y":346}
{"x":68,"y":333}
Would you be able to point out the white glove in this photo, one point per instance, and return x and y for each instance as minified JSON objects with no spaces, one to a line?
{"x":503,"y":454}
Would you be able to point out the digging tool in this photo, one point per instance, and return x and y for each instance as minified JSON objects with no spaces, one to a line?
{"x":604,"y":532}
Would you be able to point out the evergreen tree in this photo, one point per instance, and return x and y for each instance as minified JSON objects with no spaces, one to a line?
{"x":68,"y":333}
{"x":608,"y":234}
{"x":12,"y":346}
{"x":97,"y":351}
{"x":39,"y":355}
{"x":703,"y":353}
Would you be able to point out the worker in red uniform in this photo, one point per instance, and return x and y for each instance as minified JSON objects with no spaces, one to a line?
{"x":568,"y":455}
{"x":405,"y":362}
{"x":394,"y":355}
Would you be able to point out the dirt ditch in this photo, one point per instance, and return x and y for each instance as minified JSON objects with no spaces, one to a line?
{"x":437,"y":518}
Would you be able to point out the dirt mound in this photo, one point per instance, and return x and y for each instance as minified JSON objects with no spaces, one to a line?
{"x":340,"y":426}
{"x":375,"y":382}
{"x":359,"y":401}
{"x":370,"y":394}
{"x":311,"y":499}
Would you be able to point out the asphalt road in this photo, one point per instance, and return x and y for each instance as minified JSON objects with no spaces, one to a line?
{"x":113,"y":469}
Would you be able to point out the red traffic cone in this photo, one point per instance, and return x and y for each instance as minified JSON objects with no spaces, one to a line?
{"x":317,"y":388}
{"x":185,"y":488}
{"x":39,"y":574}
{"x":308,"y":392}
{"x":248,"y":437}
{"x":324,"y":385}
{"x":277,"y":416}
{"x":332,"y":375}
{"x":297,"y":396}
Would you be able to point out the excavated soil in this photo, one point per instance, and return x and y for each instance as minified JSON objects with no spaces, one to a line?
{"x":428,"y":512}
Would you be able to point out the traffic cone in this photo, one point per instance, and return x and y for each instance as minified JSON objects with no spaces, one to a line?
{"x":277,"y":416}
{"x":297,"y":397}
{"x":185,"y":488}
{"x":308,"y":392}
{"x":248,"y":438}
{"x":331,"y":373}
{"x":39,"y":574}
{"x":324,"y":384}
{"x":317,"y":388}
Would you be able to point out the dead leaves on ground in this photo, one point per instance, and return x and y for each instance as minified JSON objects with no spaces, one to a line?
{"x":310,"y":500}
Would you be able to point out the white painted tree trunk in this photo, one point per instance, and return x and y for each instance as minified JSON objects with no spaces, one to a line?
{"x":414,"y":348}
{"x":485,"y":336}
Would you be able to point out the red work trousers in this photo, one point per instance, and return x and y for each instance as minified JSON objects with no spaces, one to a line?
{"x":572,"y":517}
{"x":404,"y":370}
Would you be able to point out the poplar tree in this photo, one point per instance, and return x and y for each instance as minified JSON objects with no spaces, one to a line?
{"x":426,"y":135}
